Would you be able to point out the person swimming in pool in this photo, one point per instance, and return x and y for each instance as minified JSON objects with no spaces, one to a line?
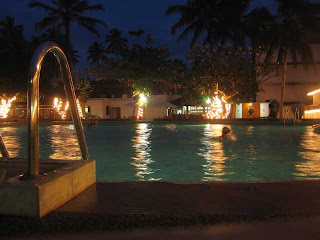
{"x":225,"y":132}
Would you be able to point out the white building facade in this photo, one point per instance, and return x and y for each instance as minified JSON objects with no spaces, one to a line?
{"x":158,"y":107}
{"x":300,"y":81}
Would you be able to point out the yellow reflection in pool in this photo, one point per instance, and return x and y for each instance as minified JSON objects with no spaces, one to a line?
{"x":11,"y":140}
{"x":142,"y":146}
{"x":310,"y":142}
{"x":213,"y":153}
{"x":64,"y":143}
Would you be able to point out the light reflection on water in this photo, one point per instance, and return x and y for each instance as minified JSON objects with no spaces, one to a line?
{"x":142,"y":147}
{"x":64,"y":143}
{"x":214,"y":169}
{"x":310,"y":143}
{"x":12,"y":140}
{"x":181,"y":152}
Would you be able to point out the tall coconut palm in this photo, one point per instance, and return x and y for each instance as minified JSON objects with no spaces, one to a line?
{"x":96,"y":53}
{"x":54,"y":34}
{"x":290,"y":37}
{"x":196,"y":17}
{"x":137,"y":33}
{"x":117,"y":44}
{"x":257,"y":26}
{"x":63,"y":12}
{"x":10,"y":32}
{"x":219,"y":21}
{"x":14,"y":57}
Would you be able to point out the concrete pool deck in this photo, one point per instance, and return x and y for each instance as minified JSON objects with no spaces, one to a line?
{"x":119,"y":206}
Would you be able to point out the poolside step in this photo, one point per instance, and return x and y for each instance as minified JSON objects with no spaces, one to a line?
{"x":3,"y":173}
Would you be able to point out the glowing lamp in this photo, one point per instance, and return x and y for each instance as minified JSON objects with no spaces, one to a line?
{"x":143,"y":99}
{"x":140,"y":113}
{"x":312,"y":111}
{"x":57,"y":105}
{"x":5,"y":106}
{"x":218,"y":109}
{"x":313,"y":92}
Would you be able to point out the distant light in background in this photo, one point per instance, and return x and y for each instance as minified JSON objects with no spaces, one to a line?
{"x":5,"y":107}
{"x":79,"y":109}
{"x":140,"y":113}
{"x":142,"y":102}
{"x":57,"y":105}
{"x":219,"y":108}
{"x":313,"y":92}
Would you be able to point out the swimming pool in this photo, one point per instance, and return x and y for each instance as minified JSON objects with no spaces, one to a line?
{"x":182,"y":152}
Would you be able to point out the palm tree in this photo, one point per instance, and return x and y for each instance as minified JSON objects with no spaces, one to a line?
{"x":14,"y":57}
{"x":257,"y":26}
{"x":290,"y":37}
{"x":63,"y":12}
{"x":10,"y":32}
{"x":220,"y":21}
{"x":53,"y":34}
{"x":195,"y":16}
{"x":96,"y":53}
{"x":136,"y":33}
{"x":117,"y":44}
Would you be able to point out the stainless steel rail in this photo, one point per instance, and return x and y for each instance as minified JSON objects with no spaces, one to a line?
{"x":3,"y":149}
{"x":33,"y":104}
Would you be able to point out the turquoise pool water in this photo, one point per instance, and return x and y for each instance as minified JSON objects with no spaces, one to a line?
{"x":182,"y":152}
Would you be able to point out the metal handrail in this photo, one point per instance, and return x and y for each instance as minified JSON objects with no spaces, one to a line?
{"x":286,"y":116}
{"x":33,"y":104}
{"x":3,"y":149}
{"x":296,"y":115}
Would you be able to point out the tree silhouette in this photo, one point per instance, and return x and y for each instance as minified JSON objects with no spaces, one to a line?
{"x":116,"y":44}
{"x":96,"y":53}
{"x":289,"y":36}
{"x":219,"y":21}
{"x":63,"y":12}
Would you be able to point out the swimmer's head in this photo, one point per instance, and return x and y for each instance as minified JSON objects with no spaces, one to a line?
{"x":225,"y":130}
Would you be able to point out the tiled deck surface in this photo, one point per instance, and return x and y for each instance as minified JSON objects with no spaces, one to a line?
{"x":261,"y":200}
{"x":122,"y":206}
{"x":304,"y":229}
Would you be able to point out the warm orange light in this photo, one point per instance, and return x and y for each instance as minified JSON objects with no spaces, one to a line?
{"x":313,"y":92}
{"x":216,"y":110}
{"x":79,"y":109}
{"x":312,"y":111}
{"x":142,"y":102}
{"x":140,"y":113}
{"x":57,"y":104}
{"x":5,"y":106}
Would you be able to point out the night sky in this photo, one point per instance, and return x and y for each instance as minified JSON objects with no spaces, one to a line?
{"x":126,"y":15}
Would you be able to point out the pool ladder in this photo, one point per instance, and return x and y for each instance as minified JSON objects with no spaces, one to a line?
{"x":286,"y":116}
{"x":33,"y":109}
{"x":296,"y":116}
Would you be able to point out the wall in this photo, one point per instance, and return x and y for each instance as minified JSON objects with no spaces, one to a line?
{"x":155,"y":113}
{"x":293,"y":93}
{"x":96,"y":106}
{"x":157,"y":107}
{"x":316,"y":99}
{"x":300,"y":81}
{"x":247,"y":106}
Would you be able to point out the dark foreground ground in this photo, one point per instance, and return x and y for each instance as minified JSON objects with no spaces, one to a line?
{"x":158,"y":210}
